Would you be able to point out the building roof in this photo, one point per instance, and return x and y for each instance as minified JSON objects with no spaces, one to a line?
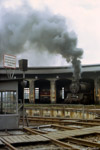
{"x":53,"y":70}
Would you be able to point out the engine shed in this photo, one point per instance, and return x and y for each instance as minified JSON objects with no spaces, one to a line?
{"x":51,"y":84}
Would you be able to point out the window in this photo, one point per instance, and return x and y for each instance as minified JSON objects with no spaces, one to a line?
{"x":63,"y":93}
{"x":0,"y":104}
{"x":36,"y":93}
{"x":7,"y":102}
{"x":26,"y":93}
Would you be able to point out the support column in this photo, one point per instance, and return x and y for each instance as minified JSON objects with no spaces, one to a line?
{"x":96,"y":91}
{"x":32,"y":91}
{"x":52,"y":91}
{"x":99,"y":90}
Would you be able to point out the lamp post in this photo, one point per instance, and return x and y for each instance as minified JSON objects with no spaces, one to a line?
{"x":23,"y":67}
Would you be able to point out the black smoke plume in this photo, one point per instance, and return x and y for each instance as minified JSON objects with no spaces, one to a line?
{"x":24,"y":28}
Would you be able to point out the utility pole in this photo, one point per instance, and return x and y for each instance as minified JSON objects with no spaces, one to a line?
{"x":23,"y":67}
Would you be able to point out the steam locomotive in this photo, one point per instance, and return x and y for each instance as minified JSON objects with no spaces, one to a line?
{"x":80,"y":93}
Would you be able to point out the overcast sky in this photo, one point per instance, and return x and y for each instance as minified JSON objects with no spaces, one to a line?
{"x":83,"y":16}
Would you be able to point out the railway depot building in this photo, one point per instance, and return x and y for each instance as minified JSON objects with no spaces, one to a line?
{"x":52,"y":84}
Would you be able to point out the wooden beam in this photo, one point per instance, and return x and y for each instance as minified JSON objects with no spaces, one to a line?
{"x":8,"y":144}
{"x":57,"y":142}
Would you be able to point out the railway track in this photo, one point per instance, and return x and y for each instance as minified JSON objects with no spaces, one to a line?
{"x":63,"y":139}
{"x":68,"y":139}
{"x":57,"y":142}
{"x":63,"y":133}
{"x":63,"y":121}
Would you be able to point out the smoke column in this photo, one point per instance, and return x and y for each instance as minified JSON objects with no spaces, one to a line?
{"x":77,"y":68}
{"x":24,"y":28}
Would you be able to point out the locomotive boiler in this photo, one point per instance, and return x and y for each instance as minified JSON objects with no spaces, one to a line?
{"x":80,"y":93}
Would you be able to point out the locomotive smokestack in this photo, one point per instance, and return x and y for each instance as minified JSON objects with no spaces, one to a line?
{"x":77,"y":69}
{"x":23,"y":29}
